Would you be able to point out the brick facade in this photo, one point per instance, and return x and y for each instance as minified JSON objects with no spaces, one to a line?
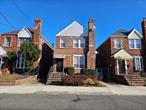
{"x":69,"y":51}
{"x":106,"y":49}
{"x":46,"y":49}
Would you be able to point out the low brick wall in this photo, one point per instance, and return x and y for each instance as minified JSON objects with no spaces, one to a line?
{"x":18,"y":82}
{"x":7,"y":83}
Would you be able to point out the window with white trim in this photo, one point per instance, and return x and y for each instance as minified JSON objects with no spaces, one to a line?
{"x":8,"y":41}
{"x":79,"y":43}
{"x":20,"y":62}
{"x":79,"y":61}
{"x":62,"y":43}
{"x":138,"y":63}
{"x":22,"y":40}
{"x":118,"y":43}
{"x":134,"y":43}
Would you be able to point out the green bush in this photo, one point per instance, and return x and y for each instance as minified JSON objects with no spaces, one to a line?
{"x":89,"y":72}
{"x":70,"y":70}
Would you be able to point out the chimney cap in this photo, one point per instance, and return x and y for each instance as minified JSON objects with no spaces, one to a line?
{"x":37,"y":18}
{"x":91,"y":20}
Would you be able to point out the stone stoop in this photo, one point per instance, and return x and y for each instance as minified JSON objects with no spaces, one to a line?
{"x":134,"y":80}
{"x":55,"y":78}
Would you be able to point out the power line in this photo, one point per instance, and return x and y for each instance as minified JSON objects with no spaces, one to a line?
{"x":19,"y":9}
{"x":12,"y":26}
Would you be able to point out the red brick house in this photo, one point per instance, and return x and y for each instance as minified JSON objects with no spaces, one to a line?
{"x":123,"y":53}
{"x":75,"y":47}
{"x":11,"y":41}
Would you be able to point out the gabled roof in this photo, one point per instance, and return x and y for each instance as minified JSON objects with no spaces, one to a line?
{"x":16,"y":32}
{"x":122,"y":54}
{"x":121,"y":33}
{"x":127,"y":33}
{"x":74,"y":29}
{"x":24,"y":32}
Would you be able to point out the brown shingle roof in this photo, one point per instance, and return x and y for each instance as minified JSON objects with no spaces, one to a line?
{"x":16,"y":32}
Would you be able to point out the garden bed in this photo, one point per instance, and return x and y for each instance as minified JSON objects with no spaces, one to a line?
{"x":82,"y":80}
{"x":16,"y":79}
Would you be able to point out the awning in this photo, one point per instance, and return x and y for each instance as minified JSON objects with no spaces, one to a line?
{"x":122,"y":54}
{"x":58,"y":56}
{"x":3,"y":53}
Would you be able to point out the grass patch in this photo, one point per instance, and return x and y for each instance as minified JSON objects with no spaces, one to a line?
{"x":12,"y":77}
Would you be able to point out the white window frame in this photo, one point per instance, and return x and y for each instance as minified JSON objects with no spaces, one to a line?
{"x":140,"y":62}
{"x":135,"y":44}
{"x":79,"y":62}
{"x":19,"y":62}
{"x":7,"y":42}
{"x":62,"y":39}
{"x":79,"y":42}
{"x":115,"y":42}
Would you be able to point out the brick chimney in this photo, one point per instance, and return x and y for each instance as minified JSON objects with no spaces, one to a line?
{"x":144,"y":40}
{"x":91,"y":57}
{"x":37,"y":31}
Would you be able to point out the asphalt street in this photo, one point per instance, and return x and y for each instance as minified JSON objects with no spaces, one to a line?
{"x":45,"y":101}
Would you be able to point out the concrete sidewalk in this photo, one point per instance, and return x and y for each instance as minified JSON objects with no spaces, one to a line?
{"x":111,"y":89}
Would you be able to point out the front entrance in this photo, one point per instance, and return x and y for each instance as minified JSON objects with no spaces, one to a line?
{"x":121,"y":66}
{"x":59,"y":65}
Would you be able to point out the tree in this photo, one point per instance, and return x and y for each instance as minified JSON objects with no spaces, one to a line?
{"x":31,"y":54}
{"x":11,"y":60}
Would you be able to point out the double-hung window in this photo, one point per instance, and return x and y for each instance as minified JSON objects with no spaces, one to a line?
{"x":138,"y":63}
{"x":118,"y":43}
{"x":79,"y":61}
{"x":22,"y":40}
{"x":62,"y":43}
{"x":8,"y":41}
{"x":79,"y":43}
{"x":134,"y":43}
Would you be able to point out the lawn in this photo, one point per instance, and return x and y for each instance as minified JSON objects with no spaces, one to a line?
{"x":12,"y":77}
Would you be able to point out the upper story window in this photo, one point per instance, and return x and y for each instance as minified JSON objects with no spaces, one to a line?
{"x":62,"y":43}
{"x":8,"y":41}
{"x":135,"y":44}
{"x":22,"y":40}
{"x":79,"y":43}
{"x":118,"y":43}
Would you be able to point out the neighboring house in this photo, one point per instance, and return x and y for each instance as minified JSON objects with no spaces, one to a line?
{"x":122,"y":53}
{"x":75,"y":47}
{"x":144,"y":40}
{"x":11,"y":41}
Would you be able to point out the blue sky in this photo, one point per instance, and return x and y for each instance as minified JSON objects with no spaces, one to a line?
{"x":110,"y":15}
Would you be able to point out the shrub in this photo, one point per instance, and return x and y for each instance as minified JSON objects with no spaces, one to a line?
{"x":70,"y":70}
{"x":74,"y":80}
{"x":88,"y":72}
{"x":31,"y":54}
{"x":89,"y":81}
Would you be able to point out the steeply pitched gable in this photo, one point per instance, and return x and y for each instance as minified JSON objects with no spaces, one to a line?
{"x":74,"y":29}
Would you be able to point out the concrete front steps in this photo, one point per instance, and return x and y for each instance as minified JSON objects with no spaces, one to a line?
{"x":134,"y":80}
{"x":54,"y":78}
{"x":131,"y":80}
